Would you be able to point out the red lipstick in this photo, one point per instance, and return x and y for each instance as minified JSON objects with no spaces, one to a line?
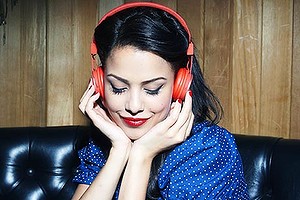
{"x":134,"y":122}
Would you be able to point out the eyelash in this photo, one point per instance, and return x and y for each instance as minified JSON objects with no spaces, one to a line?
{"x":119,"y":91}
{"x":153,"y":92}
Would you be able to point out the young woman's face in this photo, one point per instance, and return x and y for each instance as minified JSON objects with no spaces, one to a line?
{"x":138,"y":90}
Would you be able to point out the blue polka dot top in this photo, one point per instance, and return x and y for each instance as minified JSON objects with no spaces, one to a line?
{"x":205,"y":166}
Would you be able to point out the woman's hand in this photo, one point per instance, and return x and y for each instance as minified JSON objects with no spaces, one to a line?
{"x":100,"y":119}
{"x":105,"y":183}
{"x":171,"y":131}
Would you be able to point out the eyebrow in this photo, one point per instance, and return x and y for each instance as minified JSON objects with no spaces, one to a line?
{"x":143,"y":83}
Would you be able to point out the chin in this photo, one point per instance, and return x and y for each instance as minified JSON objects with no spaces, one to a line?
{"x":135,"y":133}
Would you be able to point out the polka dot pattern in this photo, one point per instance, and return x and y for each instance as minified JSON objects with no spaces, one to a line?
{"x":206,"y":166}
{"x":92,"y":160}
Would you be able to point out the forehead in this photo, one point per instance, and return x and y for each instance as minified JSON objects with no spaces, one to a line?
{"x":132,"y":63}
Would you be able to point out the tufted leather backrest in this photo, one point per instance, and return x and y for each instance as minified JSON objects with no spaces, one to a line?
{"x":285,"y":170}
{"x":257,"y":152}
{"x":271,"y":166}
{"x":38,"y":163}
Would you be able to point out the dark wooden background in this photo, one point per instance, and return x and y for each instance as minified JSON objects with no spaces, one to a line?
{"x":249,"y":51}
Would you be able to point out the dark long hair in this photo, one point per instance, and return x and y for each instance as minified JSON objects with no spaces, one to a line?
{"x":158,"y":32}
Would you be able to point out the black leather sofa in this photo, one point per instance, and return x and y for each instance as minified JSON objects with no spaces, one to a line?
{"x":38,"y":163}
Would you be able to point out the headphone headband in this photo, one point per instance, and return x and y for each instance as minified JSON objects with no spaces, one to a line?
{"x":190,"y":50}
{"x":148,"y":4}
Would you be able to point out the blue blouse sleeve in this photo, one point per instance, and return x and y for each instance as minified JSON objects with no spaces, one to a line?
{"x":92,"y":160}
{"x":206,"y":166}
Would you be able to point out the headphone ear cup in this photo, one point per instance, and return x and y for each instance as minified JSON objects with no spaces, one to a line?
{"x":98,"y":80}
{"x":182,"y":83}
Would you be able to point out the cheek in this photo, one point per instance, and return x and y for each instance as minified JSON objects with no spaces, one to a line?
{"x":112,"y":102}
{"x":111,"y":107}
{"x":162,"y":102}
{"x":161,"y":105}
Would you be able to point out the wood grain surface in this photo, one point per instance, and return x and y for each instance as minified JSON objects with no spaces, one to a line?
{"x":249,"y":51}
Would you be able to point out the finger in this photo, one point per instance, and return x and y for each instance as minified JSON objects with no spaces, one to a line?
{"x":101,"y":112}
{"x":85,"y":92}
{"x":187,"y":105}
{"x":174,"y":113}
{"x":91,"y":101}
{"x":181,"y":129}
{"x":188,"y":131}
{"x":182,"y":132}
{"x":95,"y":113}
{"x":85,"y":99}
{"x":185,"y":112}
{"x":98,"y":116}
{"x":172,"y":117}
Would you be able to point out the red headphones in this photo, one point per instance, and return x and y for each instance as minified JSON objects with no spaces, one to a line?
{"x":184,"y":76}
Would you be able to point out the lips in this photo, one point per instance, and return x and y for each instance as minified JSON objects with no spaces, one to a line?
{"x":134,"y":122}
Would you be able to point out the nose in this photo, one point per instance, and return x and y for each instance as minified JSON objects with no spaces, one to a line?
{"x":134,"y":103}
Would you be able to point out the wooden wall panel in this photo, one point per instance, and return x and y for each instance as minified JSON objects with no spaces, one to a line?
{"x":295,"y":108}
{"x":169,"y":3}
{"x":10,"y":71}
{"x":107,"y":5}
{"x":60,"y":62}
{"x":246,"y":66}
{"x":276,"y":67}
{"x":193,"y":13}
{"x":70,"y":27}
{"x":85,"y":19}
{"x":33,"y":62}
{"x":217,"y":50}
{"x":249,"y":51}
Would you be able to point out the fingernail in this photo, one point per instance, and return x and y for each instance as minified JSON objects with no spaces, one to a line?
{"x":90,"y":84}
{"x":179,"y":101}
{"x":172,"y":106}
{"x":190,"y":93}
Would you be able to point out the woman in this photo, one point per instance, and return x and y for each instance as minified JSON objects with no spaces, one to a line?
{"x":162,"y":143}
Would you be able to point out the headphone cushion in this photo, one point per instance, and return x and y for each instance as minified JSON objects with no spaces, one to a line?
{"x":182,"y":83}
{"x":98,"y":80}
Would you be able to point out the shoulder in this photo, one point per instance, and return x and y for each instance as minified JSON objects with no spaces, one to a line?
{"x":206,"y":140}
{"x":205,"y":163}
{"x":210,"y":135}
{"x":207,"y":137}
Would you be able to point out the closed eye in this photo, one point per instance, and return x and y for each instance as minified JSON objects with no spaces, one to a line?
{"x":153,"y":92}
{"x":116,"y":90}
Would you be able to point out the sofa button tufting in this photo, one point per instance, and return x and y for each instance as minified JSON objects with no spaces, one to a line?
{"x":30,"y":172}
